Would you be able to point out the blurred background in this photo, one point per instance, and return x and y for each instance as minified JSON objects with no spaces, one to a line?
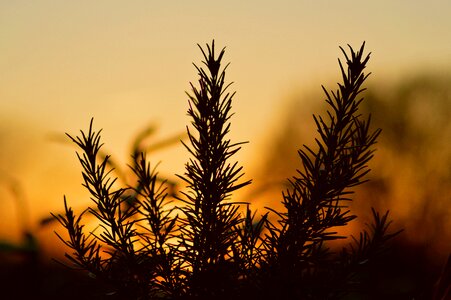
{"x":128,"y":67}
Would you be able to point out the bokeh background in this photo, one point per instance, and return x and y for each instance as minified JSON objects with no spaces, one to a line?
{"x":128,"y":65}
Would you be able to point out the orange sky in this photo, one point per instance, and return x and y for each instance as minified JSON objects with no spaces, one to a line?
{"x":128,"y":65}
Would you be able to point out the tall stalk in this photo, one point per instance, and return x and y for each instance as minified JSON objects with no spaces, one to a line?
{"x":208,"y":229}
{"x":298,"y":260}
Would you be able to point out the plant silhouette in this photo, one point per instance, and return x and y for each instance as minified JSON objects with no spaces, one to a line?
{"x":206,"y":246}
{"x":298,"y":262}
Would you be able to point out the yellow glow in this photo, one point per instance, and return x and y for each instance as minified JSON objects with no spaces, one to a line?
{"x":128,"y":65}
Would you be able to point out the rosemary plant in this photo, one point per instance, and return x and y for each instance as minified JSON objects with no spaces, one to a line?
{"x":208,"y":229}
{"x":298,"y":262}
{"x":206,"y":247}
{"x":132,"y":252}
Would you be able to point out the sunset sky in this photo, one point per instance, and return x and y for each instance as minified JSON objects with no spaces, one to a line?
{"x":128,"y":65}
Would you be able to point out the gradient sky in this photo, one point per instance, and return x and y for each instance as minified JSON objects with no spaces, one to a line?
{"x":128,"y":64}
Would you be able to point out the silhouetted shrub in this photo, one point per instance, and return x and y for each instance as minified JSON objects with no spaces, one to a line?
{"x":206,"y":247}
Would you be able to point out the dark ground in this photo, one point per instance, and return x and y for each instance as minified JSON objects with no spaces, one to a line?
{"x":404,"y":273}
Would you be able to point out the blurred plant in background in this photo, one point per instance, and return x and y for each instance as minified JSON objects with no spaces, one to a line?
{"x":414,"y":164}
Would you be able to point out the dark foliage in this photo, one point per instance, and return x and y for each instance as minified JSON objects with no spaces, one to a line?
{"x":297,"y":260}
{"x":208,"y":230}
{"x":206,"y":247}
{"x":132,"y":252}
